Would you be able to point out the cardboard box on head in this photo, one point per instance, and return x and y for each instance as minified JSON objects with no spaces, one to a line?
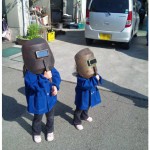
{"x":86,"y":63}
{"x":37,"y":56}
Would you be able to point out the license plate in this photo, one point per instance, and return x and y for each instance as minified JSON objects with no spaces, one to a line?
{"x":105,"y":36}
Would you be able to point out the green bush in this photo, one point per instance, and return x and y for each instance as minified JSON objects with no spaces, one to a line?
{"x":33,"y":31}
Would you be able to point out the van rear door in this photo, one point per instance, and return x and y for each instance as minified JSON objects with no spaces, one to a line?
{"x":108,"y":15}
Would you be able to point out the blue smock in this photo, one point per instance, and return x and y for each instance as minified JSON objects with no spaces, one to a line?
{"x":38,"y":91}
{"x":87,"y":93}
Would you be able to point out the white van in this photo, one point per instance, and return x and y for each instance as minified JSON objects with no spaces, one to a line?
{"x":112,"y":20}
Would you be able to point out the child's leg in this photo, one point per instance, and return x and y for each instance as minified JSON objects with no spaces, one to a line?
{"x":84,"y":114}
{"x":77,"y":117}
{"x":50,"y":125}
{"x":36,"y":124}
{"x":50,"y":121}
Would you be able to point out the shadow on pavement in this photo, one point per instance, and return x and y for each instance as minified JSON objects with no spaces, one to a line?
{"x":60,"y":108}
{"x":74,"y":37}
{"x":13,"y":111}
{"x":138,"y":47}
{"x":138,"y":99}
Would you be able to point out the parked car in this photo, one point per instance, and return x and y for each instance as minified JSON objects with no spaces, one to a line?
{"x":112,"y":20}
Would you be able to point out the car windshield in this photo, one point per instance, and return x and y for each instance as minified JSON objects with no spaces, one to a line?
{"x":112,"y":6}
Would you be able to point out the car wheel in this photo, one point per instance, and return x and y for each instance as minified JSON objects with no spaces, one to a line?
{"x":135,"y":35}
{"x":89,"y":41}
{"x":126,"y":45}
{"x":66,"y":20}
{"x":67,"y":17}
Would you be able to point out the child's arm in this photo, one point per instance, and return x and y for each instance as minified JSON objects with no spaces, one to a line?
{"x":53,"y":79}
{"x":56,"y":79}
{"x":36,"y":82}
{"x":54,"y":90}
{"x":48,"y":75}
{"x":83,"y":83}
{"x":96,"y":80}
{"x":88,"y":84}
{"x":99,"y":78}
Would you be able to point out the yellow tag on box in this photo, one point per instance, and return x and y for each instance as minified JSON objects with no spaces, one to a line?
{"x":106,"y":37}
{"x":51,"y":36}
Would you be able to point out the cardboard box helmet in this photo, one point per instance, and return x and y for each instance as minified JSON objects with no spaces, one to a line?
{"x":37,"y":56}
{"x":85,"y":63}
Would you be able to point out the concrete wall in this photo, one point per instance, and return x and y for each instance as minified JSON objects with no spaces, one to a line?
{"x":17,"y":22}
{"x":15,"y":17}
{"x":69,"y":6}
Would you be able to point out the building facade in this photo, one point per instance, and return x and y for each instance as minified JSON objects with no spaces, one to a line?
{"x":18,"y":12}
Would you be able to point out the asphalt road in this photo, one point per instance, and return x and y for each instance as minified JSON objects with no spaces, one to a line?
{"x":120,"y":122}
{"x":123,"y":71}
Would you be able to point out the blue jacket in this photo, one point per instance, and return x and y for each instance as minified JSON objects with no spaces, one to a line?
{"x":38,"y":91}
{"x":87,"y":93}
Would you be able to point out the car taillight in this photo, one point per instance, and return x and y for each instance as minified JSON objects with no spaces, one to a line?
{"x":129,"y":20}
{"x":87,"y":17}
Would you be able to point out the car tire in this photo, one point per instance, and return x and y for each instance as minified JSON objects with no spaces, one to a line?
{"x":126,"y":45}
{"x":135,"y":35}
{"x":89,"y":41}
{"x":67,"y":17}
{"x":66,"y":20}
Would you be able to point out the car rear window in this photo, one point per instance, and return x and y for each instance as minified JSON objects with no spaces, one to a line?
{"x":112,"y":6}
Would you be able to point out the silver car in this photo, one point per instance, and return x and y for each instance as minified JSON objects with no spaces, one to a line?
{"x":112,"y":20}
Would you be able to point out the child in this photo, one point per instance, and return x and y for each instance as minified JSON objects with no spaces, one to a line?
{"x":87,"y":93}
{"x":40,"y":88}
{"x":41,"y":98}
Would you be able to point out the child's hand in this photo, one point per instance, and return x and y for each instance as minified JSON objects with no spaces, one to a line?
{"x":97,"y":77}
{"x":48,"y":74}
{"x":54,"y":90}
